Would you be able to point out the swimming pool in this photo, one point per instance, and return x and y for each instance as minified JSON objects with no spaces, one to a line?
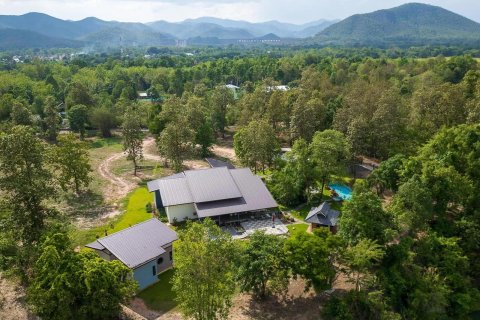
{"x":344,"y":192}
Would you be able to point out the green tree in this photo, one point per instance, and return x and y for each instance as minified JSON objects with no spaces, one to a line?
{"x":105,"y":120}
{"x":175,"y":143}
{"x":78,"y":117}
{"x":132,"y":137}
{"x":70,"y":285}
{"x":360,"y":259}
{"x":330,"y":153}
{"x":25,"y":182}
{"x":52,"y":119}
{"x":387,"y":175}
{"x":71,"y":160}
{"x":364,"y":218}
{"x":312,"y":257}
{"x":204,"y":279}
{"x":263,"y":267}
{"x":256,"y":144}
{"x":221,"y":99}
{"x":21,"y":115}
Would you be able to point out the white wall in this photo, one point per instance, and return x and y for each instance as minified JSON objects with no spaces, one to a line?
{"x":181,"y":212}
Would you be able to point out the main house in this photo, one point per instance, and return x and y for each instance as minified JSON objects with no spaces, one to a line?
{"x":220,"y":193}
{"x":146,"y":248}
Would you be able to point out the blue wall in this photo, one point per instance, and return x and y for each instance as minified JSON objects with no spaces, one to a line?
{"x":144,"y":275}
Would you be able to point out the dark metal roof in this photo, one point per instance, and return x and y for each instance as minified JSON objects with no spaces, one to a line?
{"x":175,"y":192}
{"x":211,"y":184}
{"x":323,"y":215}
{"x":255,"y":196}
{"x":214,"y":163}
{"x":138,"y":244}
{"x":216,"y":191}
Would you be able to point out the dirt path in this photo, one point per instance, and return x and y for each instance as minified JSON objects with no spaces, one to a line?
{"x":12,"y":301}
{"x":119,"y":187}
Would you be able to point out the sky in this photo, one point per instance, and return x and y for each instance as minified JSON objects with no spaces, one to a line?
{"x":294,"y":11}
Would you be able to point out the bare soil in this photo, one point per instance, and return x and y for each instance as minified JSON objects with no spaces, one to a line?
{"x":12,"y":301}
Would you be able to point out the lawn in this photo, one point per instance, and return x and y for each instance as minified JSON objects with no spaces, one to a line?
{"x":297,"y":228}
{"x":135,"y":212}
{"x":160,"y":296}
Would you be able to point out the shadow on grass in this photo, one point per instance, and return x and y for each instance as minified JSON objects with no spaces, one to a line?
{"x":160,"y":297}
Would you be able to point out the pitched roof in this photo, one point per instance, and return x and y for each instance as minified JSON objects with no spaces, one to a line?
{"x":138,"y":244}
{"x":323,"y":215}
{"x":216,"y":191}
{"x":255,"y":196}
{"x":212,"y":184}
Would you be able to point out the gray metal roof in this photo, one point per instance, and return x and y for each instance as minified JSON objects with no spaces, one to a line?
{"x":138,"y":244}
{"x":212,"y":185}
{"x":214,"y":163}
{"x":323,"y":215}
{"x":154,"y":185}
{"x":175,"y":191}
{"x":255,"y":197}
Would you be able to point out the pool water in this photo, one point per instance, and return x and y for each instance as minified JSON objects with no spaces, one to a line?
{"x":344,"y":192}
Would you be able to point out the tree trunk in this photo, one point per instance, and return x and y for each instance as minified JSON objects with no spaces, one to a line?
{"x":323,"y":186}
{"x":134,"y":167}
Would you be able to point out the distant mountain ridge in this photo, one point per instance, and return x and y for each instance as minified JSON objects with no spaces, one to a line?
{"x":409,"y":24}
{"x":96,"y":32}
{"x":412,"y":24}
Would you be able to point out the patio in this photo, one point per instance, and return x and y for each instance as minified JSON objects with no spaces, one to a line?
{"x":242,"y":230}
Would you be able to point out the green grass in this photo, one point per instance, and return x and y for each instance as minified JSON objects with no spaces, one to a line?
{"x":297,"y":228}
{"x":301,"y":214}
{"x":135,"y":213}
{"x":160,"y":296}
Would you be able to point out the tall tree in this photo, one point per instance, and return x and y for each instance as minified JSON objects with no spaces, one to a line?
{"x":175,"y":143}
{"x":105,"y":120}
{"x":204,"y":271}
{"x":78,"y":117}
{"x":364,"y":218}
{"x":71,"y":285}
{"x":221,"y":98}
{"x":132,"y":137}
{"x":263,"y":267}
{"x":52,"y":119}
{"x":312,"y":257}
{"x":25,"y":182}
{"x":360,"y":259}
{"x":71,"y":159}
{"x":256,"y":144}
{"x":330,"y":153}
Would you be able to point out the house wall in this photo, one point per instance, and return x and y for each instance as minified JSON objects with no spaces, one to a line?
{"x":166,"y":263}
{"x":181,"y":212}
{"x":158,"y":200}
{"x":144,"y":274}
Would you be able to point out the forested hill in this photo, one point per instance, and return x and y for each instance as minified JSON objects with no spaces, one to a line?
{"x":406,"y":25}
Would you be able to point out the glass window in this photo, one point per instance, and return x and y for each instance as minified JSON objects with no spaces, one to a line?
{"x":160,"y":260}
{"x":171,"y":255}
{"x":154,"y":270}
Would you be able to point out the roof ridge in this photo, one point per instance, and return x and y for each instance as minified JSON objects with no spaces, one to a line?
{"x":123,"y":230}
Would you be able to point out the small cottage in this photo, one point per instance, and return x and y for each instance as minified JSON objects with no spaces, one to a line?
{"x":146,"y":248}
{"x":323,"y":216}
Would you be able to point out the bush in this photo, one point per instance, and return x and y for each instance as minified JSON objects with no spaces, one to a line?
{"x":149,"y":207}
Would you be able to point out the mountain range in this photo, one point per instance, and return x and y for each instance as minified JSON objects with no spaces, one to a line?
{"x":406,"y":25}
{"x":55,"y":32}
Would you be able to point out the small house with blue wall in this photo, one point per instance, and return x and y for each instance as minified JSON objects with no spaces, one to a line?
{"x":146,"y":248}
